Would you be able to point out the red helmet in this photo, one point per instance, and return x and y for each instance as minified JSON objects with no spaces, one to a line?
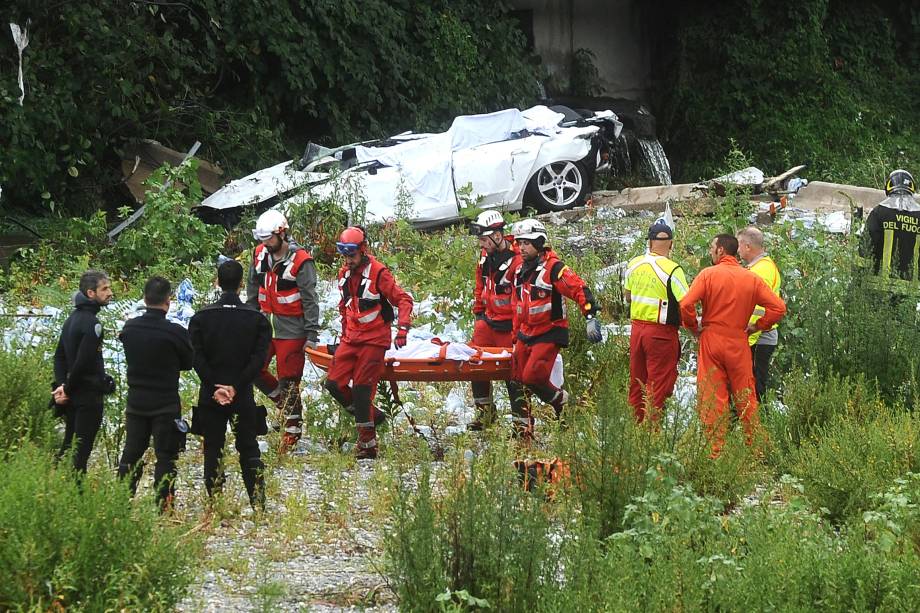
{"x":352,"y":240}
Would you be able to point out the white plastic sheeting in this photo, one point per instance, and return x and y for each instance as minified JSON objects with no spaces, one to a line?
{"x":21,"y":39}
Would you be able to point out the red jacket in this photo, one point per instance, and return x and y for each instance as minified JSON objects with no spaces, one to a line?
{"x":729,"y":292}
{"x":495,"y":284}
{"x":278,"y":291}
{"x":539,"y":299}
{"x":367,"y":304}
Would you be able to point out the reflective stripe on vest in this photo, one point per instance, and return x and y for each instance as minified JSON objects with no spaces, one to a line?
{"x":653,"y":306}
{"x":279,"y":294}
{"x":288,"y":299}
{"x":366,"y":293}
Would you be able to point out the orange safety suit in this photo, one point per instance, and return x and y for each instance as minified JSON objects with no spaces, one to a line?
{"x":729,"y":293}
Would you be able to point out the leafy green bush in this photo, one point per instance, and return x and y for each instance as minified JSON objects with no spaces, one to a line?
{"x":471,"y":528}
{"x":24,"y":394}
{"x":251,"y":83}
{"x":812,"y":404}
{"x":852,"y":458}
{"x":90,"y":548}
{"x":830,"y":84}
{"x":168,"y":235}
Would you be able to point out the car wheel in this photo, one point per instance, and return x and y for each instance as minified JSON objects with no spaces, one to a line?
{"x":558,"y":186}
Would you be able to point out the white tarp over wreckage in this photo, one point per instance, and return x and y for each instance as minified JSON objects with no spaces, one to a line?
{"x":485,"y":159}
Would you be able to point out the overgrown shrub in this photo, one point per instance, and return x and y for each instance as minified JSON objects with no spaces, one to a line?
{"x":87,"y":548}
{"x":25,"y":417}
{"x":472,"y":527}
{"x":853,"y":458}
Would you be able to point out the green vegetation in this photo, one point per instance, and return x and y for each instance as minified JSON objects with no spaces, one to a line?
{"x":253,"y":84}
{"x":827,"y":83}
{"x":84,"y":548}
{"x":826,"y":518}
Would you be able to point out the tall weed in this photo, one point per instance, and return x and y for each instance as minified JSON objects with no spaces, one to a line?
{"x":472,"y":527}
{"x":851,"y":459}
{"x":89,"y":548}
{"x":25,"y":416}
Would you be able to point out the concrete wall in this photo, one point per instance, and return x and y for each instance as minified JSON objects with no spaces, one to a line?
{"x":612,"y":29}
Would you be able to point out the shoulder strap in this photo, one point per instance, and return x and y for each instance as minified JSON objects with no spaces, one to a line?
{"x":673,"y":318}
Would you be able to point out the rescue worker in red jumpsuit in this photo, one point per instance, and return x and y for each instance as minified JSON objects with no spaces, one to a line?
{"x":729,"y":293}
{"x":282,"y":283}
{"x":369,"y":293}
{"x":541,"y":326}
{"x":498,"y":260}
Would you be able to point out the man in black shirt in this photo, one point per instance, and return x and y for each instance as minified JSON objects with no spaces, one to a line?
{"x":156,"y":350}
{"x":231,"y":341}
{"x":80,"y":380}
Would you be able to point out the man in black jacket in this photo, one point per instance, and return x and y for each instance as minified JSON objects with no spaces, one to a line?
{"x":231,"y":341}
{"x":156,"y":350}
{"x":79,"y":373}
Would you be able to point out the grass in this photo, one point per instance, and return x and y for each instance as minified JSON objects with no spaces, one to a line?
{"x":646,"y":521}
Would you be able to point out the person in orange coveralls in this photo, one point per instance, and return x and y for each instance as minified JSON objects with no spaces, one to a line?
{"x":729,"y":293}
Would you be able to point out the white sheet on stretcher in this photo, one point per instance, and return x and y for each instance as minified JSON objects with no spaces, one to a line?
{"x":428,"y":349}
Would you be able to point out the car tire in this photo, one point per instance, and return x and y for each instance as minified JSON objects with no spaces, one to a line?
{"x":558,"y":186}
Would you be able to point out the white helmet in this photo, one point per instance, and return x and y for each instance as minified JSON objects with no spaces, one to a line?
{"x":529,"y":230}
{"x":270,"y":222}
{"x":486,"y":223}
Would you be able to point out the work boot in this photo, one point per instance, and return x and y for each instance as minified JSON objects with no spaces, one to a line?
{"x":291,"y":409}
{"x":366,"y":448}
{"x":380,"y":416}
{"x":558,"y":402}
{"x":485,"y":416}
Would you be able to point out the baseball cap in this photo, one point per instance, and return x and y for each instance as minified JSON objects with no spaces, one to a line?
{"x":658,"y":228}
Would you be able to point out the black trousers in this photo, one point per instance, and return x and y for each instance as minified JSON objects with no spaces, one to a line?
{"x":82,"y":419}
{"x":244,"y":421}
{"x":166,"y":443}
{"x":761,"y":356}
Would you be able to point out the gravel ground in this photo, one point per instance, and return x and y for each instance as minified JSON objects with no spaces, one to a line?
{"x":315,"y":548}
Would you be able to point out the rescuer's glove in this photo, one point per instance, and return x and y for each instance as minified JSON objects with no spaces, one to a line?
{"x":594,"y":330}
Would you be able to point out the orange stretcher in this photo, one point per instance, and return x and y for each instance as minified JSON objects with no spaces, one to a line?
{"x":434,"y":369}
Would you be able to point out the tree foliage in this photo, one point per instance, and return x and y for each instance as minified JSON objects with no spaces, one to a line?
{"x":251,"y":80}
{"x":830,"y":83}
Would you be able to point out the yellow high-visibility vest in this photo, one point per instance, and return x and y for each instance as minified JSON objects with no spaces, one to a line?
{"x":765,"y":268}
{"x":646,"y":279}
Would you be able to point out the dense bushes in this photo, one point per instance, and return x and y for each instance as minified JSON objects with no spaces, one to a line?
{"x":87,"y":548}
{"x":252,"y":83}
{"x":24,"y":394}
{"x":824,"y":82}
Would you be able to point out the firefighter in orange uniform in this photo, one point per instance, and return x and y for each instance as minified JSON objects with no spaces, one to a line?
{"x":282,"y":284}
{"x":499,"y":259}
{"x":541,"y":326}
{"x":369,"y":293}
{"x":729,"y":293}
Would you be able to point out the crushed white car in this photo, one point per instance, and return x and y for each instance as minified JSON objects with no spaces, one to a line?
{"x":539,"y":157}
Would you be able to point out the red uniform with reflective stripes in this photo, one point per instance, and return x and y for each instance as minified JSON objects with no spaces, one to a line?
{"x":278,"y":291}
{"x":539,"y":296}
{"x":495,"y":283}
{"x":729,"y":294}
{"x":368,"y":297}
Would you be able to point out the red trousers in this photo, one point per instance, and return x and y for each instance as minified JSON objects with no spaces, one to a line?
{"x":289,"y":362}
{"x":725,"y":373}
{"x":533,"y":364}
{"x":359,"y":364}
{"x":654,"y":350}
{"x":485,"y":335}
